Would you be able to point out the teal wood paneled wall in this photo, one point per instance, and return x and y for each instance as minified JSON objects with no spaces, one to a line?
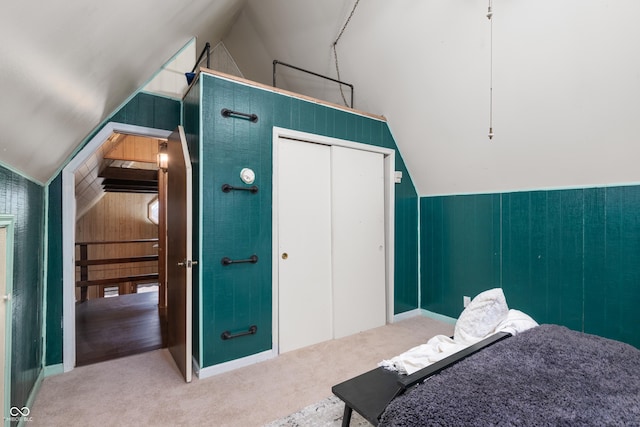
{"x":238,"y":224}
{"x":24,"y":200}
{"x":406,"y":239}
{"x":54,"y":313}
{"x":460,"y":249}
{"x":142,"y":110}
{"x":570,"y":257}
{"x":149,"y":110}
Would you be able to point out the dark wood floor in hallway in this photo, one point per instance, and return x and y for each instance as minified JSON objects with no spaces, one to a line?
{"x":109,"y":328}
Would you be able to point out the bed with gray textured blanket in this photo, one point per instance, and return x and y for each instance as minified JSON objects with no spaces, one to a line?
{"x":548,"y":375}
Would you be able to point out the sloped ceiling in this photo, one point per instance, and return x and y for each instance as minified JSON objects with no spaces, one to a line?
{"x":566,"y":83}
{"x":566,"y":78}
{"x":65,"y":66}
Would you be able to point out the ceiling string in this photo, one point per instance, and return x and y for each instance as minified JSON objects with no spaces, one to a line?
{"x":489,"y":16}
{"x":335,"y":52}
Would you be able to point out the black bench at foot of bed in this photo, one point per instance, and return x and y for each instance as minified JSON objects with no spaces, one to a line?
{"x":369,"y":394}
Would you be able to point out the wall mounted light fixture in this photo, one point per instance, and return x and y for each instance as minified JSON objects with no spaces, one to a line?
{"x":163,"y":157}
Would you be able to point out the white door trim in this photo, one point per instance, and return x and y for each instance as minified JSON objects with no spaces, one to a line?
{"x":7,"y":221}
{"x":389,"y":200}
{"x":69,"y":229}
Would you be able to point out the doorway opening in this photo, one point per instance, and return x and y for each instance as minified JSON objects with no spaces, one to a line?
{"x":114,"y":301}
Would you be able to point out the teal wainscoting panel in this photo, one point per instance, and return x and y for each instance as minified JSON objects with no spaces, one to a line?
{"x":460,"y":252}
{"x":600,"y":290}
{"x":238,"y":224}
{"x":406,"y":221}
{"x":612,"y":289}
{"x":406,"y":248}
{"x":432,"y":283}
{"x":570,"y":257}
{"x":566,"y":259}
{"x":542,"y":254}
{"x":24,"y":200}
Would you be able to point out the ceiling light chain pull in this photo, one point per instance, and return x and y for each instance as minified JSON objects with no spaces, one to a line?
{"x":335,"y":52}
{"x":489,"y":16}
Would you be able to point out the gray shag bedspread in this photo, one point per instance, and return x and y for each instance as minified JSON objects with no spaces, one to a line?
{"x":547,"y":376}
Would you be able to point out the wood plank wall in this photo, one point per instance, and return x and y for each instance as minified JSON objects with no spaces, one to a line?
{"x":134,"y":148}
{"x":118,"y":216}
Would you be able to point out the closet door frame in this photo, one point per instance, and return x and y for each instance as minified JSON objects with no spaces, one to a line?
{"x":389,"y":202}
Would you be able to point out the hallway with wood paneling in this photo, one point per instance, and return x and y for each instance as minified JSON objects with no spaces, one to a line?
{"x":109,"y":328}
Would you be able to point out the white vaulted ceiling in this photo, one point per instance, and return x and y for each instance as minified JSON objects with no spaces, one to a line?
{"x":66,"y":65}
{"x":566,"y":83}
{"x":566,"y":78}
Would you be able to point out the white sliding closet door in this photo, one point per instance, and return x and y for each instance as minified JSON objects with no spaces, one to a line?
{"x":304,"y":242}
{"x":331,"y":242}
{"x":358,"y":234}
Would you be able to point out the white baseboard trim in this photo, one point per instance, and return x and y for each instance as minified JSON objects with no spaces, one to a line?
{"x":52,"y":370}
{"x":426,"y":313}
{"x":407,"y":315}
{"x":243,"y":362}
{"x":440,"y":317}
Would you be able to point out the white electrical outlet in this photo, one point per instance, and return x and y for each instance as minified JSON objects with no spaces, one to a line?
{"x":466,"y":301}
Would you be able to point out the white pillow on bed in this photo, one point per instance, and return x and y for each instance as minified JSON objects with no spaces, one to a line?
{"x":481,"y":316}
{"x":516,"y":322}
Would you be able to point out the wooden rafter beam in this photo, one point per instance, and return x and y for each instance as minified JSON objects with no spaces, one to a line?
{"x":127,"y":174}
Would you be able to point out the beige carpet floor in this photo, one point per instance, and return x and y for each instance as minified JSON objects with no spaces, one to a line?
{"x":147,"y":389}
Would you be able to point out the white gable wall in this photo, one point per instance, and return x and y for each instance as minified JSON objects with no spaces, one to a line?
{"x":566,"y":79}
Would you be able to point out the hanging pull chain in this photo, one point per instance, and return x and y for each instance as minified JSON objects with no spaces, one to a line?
{"x":335,"y":52}
{"x":489,"y":16}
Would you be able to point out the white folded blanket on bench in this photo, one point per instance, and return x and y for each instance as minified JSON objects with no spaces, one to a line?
{"x":487,"y":314}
